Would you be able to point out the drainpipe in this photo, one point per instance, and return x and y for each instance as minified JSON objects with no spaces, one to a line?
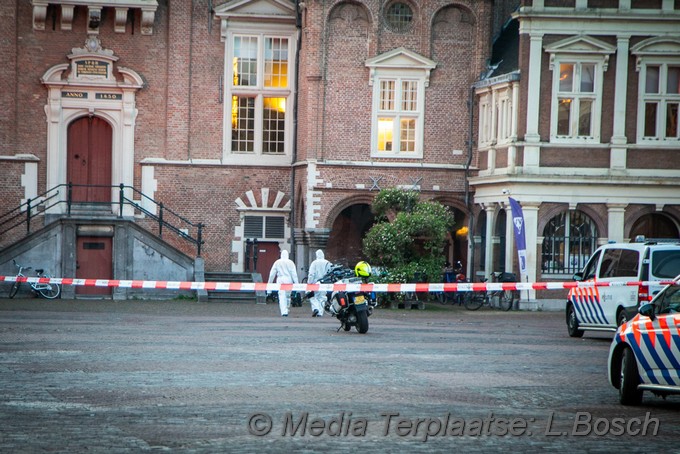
{"x":298,"y":26}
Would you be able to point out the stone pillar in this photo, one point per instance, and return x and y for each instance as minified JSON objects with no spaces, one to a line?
{"x":615,"y":216}
{"x":509,"y":241}
{"x":488,"y":253}
{"x":532,"y":138}
{"x":617,"y":158}
{"x":530,"y":211}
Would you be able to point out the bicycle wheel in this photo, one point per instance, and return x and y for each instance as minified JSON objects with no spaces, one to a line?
{"x":505,"y":299}
{"x":50,"y":291}
{"x":475,"y":301}
{"x":15,"y":288}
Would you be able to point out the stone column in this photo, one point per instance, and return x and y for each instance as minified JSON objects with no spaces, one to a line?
{"x":530,"y":211}
{"x":532,"y":148}
{"x":509,"y":240}
{"x":615,"y":220}
{"x":488,"y":253}
{"x":617,"y":159}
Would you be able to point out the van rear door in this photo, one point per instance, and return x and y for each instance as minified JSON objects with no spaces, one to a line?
{"x":663,"y":264}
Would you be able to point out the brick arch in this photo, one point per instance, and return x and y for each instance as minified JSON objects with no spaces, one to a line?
{"x":340,"y":206}
{"x":639,"y":211}
{"x":556,"y":209}
{"x":350,"y":17}
{"x":264,"y":198}
{"x":446,"y":19}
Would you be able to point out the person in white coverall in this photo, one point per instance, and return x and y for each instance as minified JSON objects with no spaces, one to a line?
{"x":283,"y":270}
{"x":317,"y":269}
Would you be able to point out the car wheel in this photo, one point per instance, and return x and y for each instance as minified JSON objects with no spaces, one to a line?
{"x":621,"y":318}
{"x":629,"y":394}
{"x":572,"y":323}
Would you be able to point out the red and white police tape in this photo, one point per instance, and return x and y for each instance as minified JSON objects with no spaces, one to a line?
{"x":352,"y":287}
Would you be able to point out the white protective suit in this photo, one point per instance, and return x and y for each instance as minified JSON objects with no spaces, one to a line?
{"x":283,"y":270}
{"x":317,"y":269}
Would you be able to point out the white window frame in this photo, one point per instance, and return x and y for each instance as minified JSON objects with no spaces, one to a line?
{"x":259,"y":92}
{"x":485,"y":119}
{"x":397,"y":114}
{"x":578,"y":50}
{"x":577,"y":95}
{"x":662,"y":98}
{"x":399,"y":65}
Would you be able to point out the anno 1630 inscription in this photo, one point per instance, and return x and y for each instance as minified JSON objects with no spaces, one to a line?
{"x":92,"y":68}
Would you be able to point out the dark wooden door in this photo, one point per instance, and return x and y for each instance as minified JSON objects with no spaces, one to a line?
{"x":267,"y":254}
{"x":94,"y":260}
{"x":89,"y":159}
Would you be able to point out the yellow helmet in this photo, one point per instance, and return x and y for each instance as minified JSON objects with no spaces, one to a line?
{"x":362,"y":269}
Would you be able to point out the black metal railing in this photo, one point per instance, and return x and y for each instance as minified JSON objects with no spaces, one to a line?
{"x":166,"y":218}
{"x":566,"y":255}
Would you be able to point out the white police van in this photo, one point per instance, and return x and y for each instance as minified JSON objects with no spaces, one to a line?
{"x":607,"y":307}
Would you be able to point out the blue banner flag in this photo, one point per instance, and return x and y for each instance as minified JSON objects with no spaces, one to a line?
{"x":518,"y":227}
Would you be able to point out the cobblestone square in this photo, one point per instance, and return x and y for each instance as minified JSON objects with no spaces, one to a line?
{"x":181,"y":376}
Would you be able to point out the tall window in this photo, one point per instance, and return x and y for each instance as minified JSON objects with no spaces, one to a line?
{"x":659,"y":102}
{"x":569,"y":239}
{"x":399,"y":78}
{"x":398,"y":116}
{"x":576,"y":101}
{"x":578,"y":65}
{"x":260,"y":94}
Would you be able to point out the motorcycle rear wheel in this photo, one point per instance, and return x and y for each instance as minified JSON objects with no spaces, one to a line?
{"x":362,"y":322}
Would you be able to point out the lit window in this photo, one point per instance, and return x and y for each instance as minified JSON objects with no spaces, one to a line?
{"x":260,"y":95}
{"x":578,"y":65}
{"x":576,"y":100}
{"x":399,"y":79}
{"x":398,"y":116}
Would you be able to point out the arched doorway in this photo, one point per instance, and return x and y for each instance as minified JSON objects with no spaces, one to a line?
{"x":89,"y":147}
{"x":457,"y":247}
{"x":654,"y":225}
{"x":349,"y":228}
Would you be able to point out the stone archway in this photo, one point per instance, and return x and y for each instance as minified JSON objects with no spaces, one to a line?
{"x":655,"y":225}
{"x":348,"y":230}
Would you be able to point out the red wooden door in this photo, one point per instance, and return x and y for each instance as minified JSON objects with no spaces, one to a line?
{"x":94,"y":260}
{"x":89,"y":159}
{"x":267,"y":254}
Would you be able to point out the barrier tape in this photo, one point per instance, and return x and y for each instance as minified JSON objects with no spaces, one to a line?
{"x":350,"y":287}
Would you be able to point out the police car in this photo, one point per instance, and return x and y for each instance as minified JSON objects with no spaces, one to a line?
{"x":645,"y":352}
{"x":604,"y":308}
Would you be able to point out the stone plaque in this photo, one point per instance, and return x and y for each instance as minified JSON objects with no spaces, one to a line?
{"x":74,"y":94}
{"x":92,"y":68}
{"x":113,"y":96}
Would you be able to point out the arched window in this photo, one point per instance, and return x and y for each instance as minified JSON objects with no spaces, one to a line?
{"x":569,"y":239}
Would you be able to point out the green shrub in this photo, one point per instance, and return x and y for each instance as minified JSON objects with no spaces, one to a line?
{"x":409,"y":246}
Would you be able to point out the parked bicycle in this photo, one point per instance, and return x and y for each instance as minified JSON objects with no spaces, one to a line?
{"x":506,"y":298}
{"x":46,"y":290}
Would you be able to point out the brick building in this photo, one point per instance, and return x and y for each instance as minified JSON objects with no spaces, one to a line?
{"x":231,"y":129}
{"x":579,"y":122}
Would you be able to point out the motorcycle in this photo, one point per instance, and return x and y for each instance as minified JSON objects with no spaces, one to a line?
{"x":350,"y":308}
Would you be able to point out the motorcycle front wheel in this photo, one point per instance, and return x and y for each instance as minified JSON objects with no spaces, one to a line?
{"x":362,"y":322}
